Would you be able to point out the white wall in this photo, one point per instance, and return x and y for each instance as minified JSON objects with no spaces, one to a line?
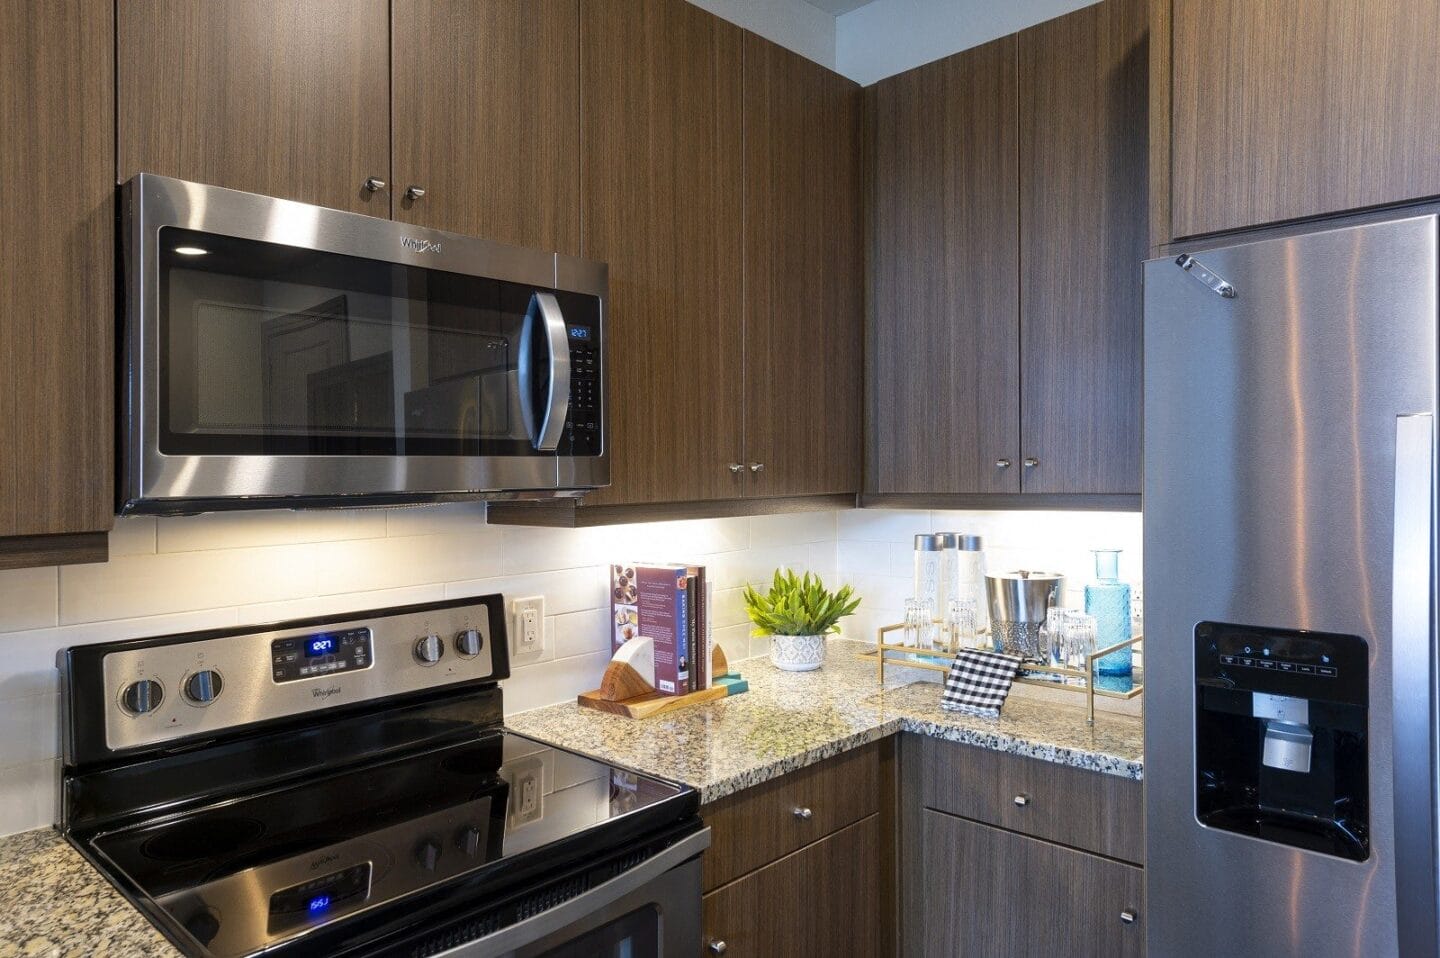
{"x":887,"y":37}
{"x":176,"y":575}
{"x":793,"y":24}
{"x":877,"y":551}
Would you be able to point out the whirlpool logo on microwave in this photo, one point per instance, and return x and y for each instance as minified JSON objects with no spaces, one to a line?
{"x":419,"y":245}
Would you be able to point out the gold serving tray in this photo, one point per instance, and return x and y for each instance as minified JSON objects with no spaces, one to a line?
{"x":1054,"y":676}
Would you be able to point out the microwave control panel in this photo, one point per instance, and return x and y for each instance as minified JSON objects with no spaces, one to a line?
{"x":583,"y":432}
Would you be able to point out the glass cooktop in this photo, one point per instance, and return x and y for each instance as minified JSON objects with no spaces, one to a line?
{"x":249,"y":874}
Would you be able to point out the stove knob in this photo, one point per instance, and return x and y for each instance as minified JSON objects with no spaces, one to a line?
{"x":427,"y":854}
{"x":142,"y":696}
{"x":429,"y":650}
{"x":471,"y":840}
{"x":203,"y":687}
{"x":468,"y":643}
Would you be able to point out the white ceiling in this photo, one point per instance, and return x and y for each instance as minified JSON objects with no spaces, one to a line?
{"x":868,"y":40}
{"x":837,"y":7}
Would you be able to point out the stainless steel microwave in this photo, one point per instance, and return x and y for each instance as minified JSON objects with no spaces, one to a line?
{"x":281,"y":354}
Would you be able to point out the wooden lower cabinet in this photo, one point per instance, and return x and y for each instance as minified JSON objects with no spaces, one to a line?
{"x":992,"y":892}
{"x":823,"y":900}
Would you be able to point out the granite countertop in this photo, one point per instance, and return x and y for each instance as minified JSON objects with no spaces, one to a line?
{"x":792,"y":719}
{"x":53,"y":904}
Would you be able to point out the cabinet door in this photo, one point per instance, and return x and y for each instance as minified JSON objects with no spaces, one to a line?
{"x":487,"y":118}
{"x":1083,"y":150}
{"x":660,"y":200}
{"x":286,"y":98}
{"x":57,"y":253}
{"x":822,"y":901}
{"x":803,"y":275}
{"x":992,"y":892}
{"x":943,"y":330}
{"x":1291,"y":108}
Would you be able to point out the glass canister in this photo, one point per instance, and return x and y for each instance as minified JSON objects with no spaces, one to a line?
{"x":929,"y":572}
{"x":1108,"y":600}
{"x":968,"y":578}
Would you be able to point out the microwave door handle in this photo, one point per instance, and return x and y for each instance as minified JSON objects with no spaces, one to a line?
{"x":545,"y":427}
{"x":1413,"y":673}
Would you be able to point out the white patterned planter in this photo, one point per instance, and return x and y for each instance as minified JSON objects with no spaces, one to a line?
{"x":797,"y":653}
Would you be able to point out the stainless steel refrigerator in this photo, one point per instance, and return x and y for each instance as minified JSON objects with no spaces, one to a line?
{"x":1290,"y":593}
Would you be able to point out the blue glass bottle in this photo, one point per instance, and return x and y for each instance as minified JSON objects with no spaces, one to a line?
{"x":1108,"y":599}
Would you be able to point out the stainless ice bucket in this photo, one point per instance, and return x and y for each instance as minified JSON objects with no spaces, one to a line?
{"x":1018,"y":603}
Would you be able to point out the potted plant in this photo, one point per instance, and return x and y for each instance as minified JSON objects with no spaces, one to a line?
{"x":797,"y":613}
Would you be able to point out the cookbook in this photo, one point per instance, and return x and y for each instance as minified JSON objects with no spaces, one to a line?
{"x":668,"y":604}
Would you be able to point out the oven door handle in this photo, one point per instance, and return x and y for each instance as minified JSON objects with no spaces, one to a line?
{"x":544,"y":426}
{"x":531,"y":930}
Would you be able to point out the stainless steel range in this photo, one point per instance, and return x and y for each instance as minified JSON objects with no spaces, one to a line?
{"x":344,"y":786}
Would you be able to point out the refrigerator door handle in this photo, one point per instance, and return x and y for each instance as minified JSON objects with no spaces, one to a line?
{"x":1417,"y":888}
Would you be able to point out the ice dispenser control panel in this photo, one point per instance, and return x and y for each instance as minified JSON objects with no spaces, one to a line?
{"x":1281,"y":736}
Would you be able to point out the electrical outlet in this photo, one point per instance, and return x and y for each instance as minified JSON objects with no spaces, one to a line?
{"x":527,"y":793}
{"x":528,"y":639}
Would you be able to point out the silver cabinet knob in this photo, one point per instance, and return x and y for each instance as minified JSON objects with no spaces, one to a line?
{"x":414,"y":192}
{"x":374,"y":184}
{"x":1002,"y":463}
{"x":1031,"y":462}
{"x":717,"y":947}
{"x":757,"y":467}
{"x":804,"y":814}
{"x":1127,"y":916}
{"x":1022,"y":800}
{"x":736,"y":468}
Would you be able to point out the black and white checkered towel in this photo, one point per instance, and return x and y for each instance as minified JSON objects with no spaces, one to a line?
{"x":979,"y":681}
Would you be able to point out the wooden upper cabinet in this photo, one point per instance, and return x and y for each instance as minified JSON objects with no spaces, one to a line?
{"x":287,"y":98}
{"x":1293,"y":108}
{"x":660,"y":203}
{"x":1083,"y":236}
{"x":803,"y":275}
{"x":487,"y":118}
{"x":57,"y":297}
{"x":943,"y":333}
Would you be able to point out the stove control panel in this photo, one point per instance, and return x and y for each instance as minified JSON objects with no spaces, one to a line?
{"x":320,"y":653}
{"x":169,"y":689}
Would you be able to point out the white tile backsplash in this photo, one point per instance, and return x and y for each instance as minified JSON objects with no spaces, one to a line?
{"x":172,"y":575}
{"x":876,"y":549}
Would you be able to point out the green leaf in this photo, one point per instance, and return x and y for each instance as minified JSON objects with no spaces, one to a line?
{"x":797,"y":605}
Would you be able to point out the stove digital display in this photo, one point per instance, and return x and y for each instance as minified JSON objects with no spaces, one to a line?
{"x":318,"y":654}
{"x":319,"y":645}
{"x":300,"y":903}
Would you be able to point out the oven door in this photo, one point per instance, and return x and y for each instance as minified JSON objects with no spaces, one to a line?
{"x":285,"y":354}
{"x":649,"y":911}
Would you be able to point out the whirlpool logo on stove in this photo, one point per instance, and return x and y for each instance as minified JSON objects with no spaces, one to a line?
{"x":419,"y":245}
{"x":325,"y":693}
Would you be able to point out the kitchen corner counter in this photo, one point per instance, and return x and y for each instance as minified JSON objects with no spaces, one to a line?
{"x":788,"y":720}
{"x":53,"y":904}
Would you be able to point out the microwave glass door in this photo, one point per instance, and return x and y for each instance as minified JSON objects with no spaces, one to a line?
{"x":269,"y":349}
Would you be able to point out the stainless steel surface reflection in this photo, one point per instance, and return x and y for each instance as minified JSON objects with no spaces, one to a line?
{"x":1270,"y":424}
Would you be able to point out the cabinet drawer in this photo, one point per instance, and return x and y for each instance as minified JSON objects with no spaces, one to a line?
{"x":769,"y":821}
{"x":1073,"y":806}
{"x":821,"y":901}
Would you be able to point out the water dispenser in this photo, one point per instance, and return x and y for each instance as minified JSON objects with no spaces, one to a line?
{"x":1281,"y":748}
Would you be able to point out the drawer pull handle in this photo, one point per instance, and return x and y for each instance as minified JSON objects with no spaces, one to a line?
{"x":1022,"y":800}
{"x":804,"y":814}
{"x":717,"y":947}
{"x":1127,"y":916}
